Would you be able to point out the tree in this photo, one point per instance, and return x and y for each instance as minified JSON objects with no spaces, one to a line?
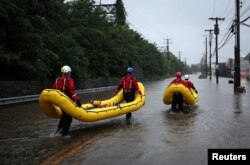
{"x":37,"y":37}
{"x":120,"y":13}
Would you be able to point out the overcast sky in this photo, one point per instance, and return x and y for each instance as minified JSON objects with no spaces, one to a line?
{"x":184,"y":23}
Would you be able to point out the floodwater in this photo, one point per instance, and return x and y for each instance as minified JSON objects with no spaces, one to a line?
{"x":154,"y":135}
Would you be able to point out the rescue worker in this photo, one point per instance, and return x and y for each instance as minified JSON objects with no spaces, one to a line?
{"x":66,"y":84}
{"x":189,"y":83}
{"x":177,"y":98}
{"x":129,"y":84}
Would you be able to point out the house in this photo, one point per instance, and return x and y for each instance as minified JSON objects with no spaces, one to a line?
{"x":244,"y":67}
{"x":247,"y":58}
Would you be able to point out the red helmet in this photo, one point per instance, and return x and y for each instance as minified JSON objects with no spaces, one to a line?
{"x":178,"y":74}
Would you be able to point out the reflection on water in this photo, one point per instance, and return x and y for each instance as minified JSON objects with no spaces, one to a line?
{"x":181,"y":122}
{"x":82,"y":137}
{"x":237,"y":104}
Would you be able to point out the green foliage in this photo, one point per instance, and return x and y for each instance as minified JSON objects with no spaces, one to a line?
{"x":120,"y":13}
{"x":37,"y":37}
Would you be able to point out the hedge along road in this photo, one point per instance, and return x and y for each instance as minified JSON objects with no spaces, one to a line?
{"x":154,"y":135}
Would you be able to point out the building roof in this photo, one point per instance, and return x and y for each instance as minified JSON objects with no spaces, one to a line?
{"x":247,"y":57}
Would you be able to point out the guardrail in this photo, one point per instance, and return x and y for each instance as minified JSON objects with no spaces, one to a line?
{"x":20,"y":99}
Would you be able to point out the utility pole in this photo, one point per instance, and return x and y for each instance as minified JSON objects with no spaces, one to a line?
{"x":179,"y":56}
{"x":185,"y":65}
{"x":210,"y":54}
{"x":168,"y":39}
{"x":202,"y":67}
{"x":206,"y":58}
{"x":216,"y":32}
{"x":179,"y":65}
{"x":237,"y":48}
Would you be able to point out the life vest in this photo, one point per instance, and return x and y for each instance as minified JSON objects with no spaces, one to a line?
{"x":189,"y":84}
{"x":178,"y":80}
{"x":66,"y":85}
{"x":61,"y":83}
{"x":128,"y":83}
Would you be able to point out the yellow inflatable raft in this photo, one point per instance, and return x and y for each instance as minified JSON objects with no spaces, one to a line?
{"x":189,"y":95}
{"x":53,"y":102}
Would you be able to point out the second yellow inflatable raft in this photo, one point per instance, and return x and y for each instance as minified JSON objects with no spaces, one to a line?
{"x":53,"y":102}
{"x":189,"y":95}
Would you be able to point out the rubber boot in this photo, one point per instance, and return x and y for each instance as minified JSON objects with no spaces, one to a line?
{"x":128,"y":115}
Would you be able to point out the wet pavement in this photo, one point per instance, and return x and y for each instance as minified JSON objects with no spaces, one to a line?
{"x":154,"y":135}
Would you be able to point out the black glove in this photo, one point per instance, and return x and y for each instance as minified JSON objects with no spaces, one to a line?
{"x":78,"y":103}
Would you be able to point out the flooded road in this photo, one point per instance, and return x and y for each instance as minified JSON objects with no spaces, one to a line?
{"x":154,"y":135}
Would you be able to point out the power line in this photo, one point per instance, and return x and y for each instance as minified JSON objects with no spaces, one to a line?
{"x":225,"y":36}
{"x":228,"y":3}
{"x":245,"y":19}
{"x":244,"y":12}
{"x":226,"y":41}
{"x":246,"y":24}
{"x":152,"y":29}
{"x":231,"y":30}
